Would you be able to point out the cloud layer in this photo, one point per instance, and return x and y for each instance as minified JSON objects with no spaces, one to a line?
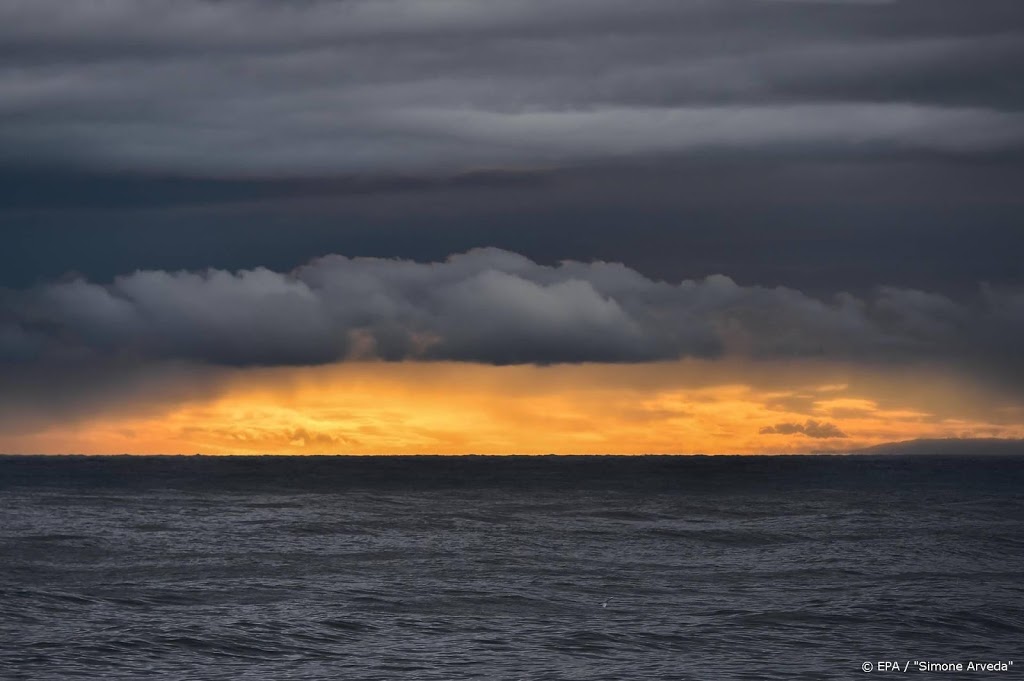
{"x":489,"y":306}
{"x":824,"y":145}
{"x":265,"y":86}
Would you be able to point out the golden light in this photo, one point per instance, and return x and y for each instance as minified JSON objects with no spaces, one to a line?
{"x":451,"y":408}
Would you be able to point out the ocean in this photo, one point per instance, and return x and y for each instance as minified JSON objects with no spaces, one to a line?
{"x":276,"y":568}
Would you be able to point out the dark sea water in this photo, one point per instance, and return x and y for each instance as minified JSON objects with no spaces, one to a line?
{"x":496,"y":568}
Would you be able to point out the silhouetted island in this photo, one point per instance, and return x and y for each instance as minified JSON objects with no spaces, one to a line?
{"x":949,"y":447}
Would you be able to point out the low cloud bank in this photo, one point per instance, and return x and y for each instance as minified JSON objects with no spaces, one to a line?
{"x":489,"y":306}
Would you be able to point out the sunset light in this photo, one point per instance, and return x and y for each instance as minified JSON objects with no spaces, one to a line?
{"x":452,"y":408}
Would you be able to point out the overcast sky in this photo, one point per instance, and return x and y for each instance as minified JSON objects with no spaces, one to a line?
{"x":768,"y":178}
{"x":256,"y":87}
{"x":863,"y":142}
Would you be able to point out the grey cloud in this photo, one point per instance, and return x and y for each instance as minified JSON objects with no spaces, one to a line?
{"x":558,"y":136}
{"x":489,"y":306}
{"x":259,"y":86}
{"x":811,"y":428}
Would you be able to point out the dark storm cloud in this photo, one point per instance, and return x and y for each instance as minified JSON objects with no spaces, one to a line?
{"x":489,"y":306}
{"x":249,"y":86}
{"x":819,"y":227}
{"x":822,"y":145}
{"x":811,"y":428}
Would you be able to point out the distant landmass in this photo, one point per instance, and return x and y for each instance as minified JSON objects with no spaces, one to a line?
{"x":950,"y":446}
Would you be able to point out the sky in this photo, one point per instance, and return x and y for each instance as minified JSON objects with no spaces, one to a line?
{"x":455,"y":226}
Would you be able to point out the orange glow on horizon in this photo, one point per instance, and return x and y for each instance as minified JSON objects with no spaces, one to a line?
{"x":449,"y":408}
